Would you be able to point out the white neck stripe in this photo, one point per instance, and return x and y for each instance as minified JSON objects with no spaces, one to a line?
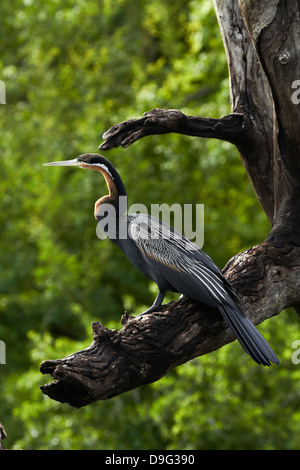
{"x":101,"y":165}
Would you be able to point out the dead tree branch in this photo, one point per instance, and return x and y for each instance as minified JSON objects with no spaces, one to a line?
{"x":164,"y":121}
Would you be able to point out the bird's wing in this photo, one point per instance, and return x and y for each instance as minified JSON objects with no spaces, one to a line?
{"x":182,"y":264}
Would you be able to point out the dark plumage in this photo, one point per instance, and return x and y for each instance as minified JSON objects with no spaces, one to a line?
{"x":172,"y":261}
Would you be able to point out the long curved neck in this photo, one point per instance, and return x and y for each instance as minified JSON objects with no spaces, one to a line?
{"x":116,"y":190}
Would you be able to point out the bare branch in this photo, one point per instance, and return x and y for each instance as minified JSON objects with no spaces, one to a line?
{"x":164,"y":121}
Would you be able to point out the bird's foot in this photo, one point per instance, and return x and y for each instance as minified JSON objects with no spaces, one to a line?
{"x":144,"y":313}
{"x":149,"y":310}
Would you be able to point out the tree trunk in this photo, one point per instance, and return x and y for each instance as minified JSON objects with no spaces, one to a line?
{"x":262,"y":43}
{"x":2,"y":436}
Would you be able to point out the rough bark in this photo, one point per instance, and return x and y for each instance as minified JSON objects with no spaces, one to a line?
{"x":2,"y":436}
{"x":162,"y":121}
{"x":262,"y":43}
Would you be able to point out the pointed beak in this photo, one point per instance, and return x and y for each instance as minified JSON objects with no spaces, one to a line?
{"x":73,"y":162}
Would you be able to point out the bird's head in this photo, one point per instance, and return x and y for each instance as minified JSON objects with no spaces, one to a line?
{"x":94,"y":161}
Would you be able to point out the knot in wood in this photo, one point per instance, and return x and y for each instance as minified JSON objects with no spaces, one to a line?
{"x":284,"y":58}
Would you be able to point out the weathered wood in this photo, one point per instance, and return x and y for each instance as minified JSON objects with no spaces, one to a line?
{"x":262,"y":43}
{"x":2,"y":436}
{"x":275,"y":34}
{"x":251,"y":97}
{"x":164,"y":121}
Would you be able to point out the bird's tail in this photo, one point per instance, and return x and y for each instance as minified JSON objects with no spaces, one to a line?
{"x":248,"y":335}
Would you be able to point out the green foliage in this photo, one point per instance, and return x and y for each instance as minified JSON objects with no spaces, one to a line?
{"x":72,"y":69}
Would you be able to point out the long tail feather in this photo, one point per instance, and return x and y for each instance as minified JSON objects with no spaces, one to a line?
{"x":248,"y":335}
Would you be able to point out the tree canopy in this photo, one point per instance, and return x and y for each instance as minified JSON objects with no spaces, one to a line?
{"x":72,"y":69}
